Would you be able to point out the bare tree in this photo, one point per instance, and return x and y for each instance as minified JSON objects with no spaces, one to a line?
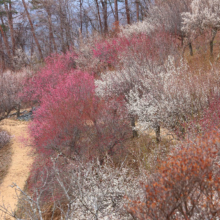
{"x":116,"y":10}
{"x":127,"y":12}
{"x":5,"y":39}
{"x":105,"y":15}
{"x":10,"y":21}
{"x":32,"y":30}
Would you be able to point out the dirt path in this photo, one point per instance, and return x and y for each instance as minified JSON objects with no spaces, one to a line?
{"x":20,"y":165}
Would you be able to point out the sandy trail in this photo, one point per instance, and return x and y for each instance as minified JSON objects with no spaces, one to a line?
{"x":20,"y":165}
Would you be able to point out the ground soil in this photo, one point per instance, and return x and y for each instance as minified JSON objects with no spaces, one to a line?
{"x":5,"y":161}
{"x":21,"y":161}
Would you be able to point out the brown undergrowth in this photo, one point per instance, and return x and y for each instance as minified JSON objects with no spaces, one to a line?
{"x":144,"y":151}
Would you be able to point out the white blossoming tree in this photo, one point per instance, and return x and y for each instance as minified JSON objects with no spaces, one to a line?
{"x":169,"y":96}
{"x":120,"y":82}
{"x":157,"y":94}
{"x":204,"y":17}
{"x":83,"y":191}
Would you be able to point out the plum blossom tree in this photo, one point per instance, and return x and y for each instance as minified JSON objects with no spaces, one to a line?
{"x":56,"y":69}
{"x":168,"y":95}
{"x":135,"y":58}
{"x":81,"y":191}
{"x":118,"y":83}
{"x":54,"y":119}
{"x":204,"y":17}
{"x":144,"y":27}
{"x":71,"y":119}
{"x":158,"y":94}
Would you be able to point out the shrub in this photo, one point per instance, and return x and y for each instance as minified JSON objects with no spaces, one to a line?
{"x":56,"y":69}
{"x":207,"y":120}
{"x":121,"y":50}
{"x":79,"y":190}
{"x":4,"y":138}
{"x":10,"y":87}
{"x":72,"y":119}
{"x":186,"y":185}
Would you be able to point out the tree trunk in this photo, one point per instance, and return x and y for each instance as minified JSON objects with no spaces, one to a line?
{"x":80,"y":8}
{"x":52,"y":40}
{"x":68,"y":38}
{"x":157,"y":132}
{"x":142,"y":14}
{"x":112,"y":10}
{"x":99,"y":18}
{"x":135,"y":133}
{"x":137,"y":9}
{"x":214,"y":32}
{"x":116,"y":10}
{"x":10,"y":22}
{"x":182,"y":41}
{"x":191,"y":49}
{"x":127,"y":12}
{"x":211,"y":48}
{"x":182,"y":128}
{"x":18,"y":110}
{"x":32,"y":30}
{"x":68,"y":42}
{"x":105,"y":15}
{"x":62,"y":28}
{"x":2,"y":57}
{"x":63,"y":48}
{"x":32,"y":46}
{"x":5,"y":42}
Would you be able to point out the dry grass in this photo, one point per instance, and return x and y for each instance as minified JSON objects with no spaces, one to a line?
{"x":145,"y":152}
{"x":201,"y":59}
